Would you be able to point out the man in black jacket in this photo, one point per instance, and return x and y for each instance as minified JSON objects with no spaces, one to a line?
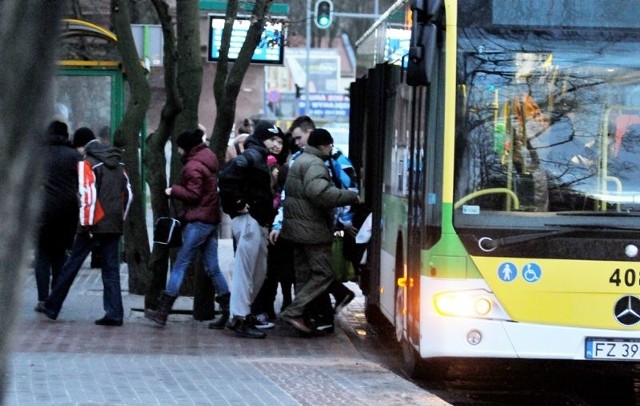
{"x":59,"y":215}
{"x":250,"y":204}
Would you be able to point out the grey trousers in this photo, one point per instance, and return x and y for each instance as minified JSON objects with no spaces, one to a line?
{"x":249,"y":263}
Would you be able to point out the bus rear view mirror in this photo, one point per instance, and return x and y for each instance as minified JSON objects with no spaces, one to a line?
{"x":426,"y":10}
{"x":422,"y":54}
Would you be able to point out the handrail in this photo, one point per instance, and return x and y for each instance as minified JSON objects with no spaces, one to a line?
{"x":380,"y":20}
{"x":477,"y":193}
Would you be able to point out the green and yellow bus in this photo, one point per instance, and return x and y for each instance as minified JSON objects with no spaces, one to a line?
{"x":501,"y":160}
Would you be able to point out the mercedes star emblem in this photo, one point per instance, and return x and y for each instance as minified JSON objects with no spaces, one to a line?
{"x":627,"y":310}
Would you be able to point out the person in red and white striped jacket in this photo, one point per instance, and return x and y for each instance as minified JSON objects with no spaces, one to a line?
{"x":105,"y":197}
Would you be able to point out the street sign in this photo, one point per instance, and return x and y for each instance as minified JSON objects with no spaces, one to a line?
{"x":326,"y":106}
{"x":279,"y":9}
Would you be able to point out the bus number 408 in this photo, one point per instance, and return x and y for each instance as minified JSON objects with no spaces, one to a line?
{"x":628,"y":277}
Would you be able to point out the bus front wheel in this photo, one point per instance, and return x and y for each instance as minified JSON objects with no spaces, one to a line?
{"x":411,"y":361}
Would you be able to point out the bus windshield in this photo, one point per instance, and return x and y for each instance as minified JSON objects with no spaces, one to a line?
{"x":548,"y":119}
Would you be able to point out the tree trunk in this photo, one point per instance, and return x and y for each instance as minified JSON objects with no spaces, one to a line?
{"x":126,"y":137}
{"x":28,"y":33}
{"x":155,"y":159}
{"x":189,"y":86}
{"x":183,"y":82}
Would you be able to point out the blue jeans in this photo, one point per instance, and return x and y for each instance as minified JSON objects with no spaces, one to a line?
{"x":107,"y":244}
{"x":196,"y":236}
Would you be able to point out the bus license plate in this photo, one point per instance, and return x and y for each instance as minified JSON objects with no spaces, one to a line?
{"x":612,"y":349}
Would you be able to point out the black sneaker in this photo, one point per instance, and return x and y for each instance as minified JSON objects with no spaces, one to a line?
{"x":262,"y":322}
{"x":342,"y":303}
{"x":244,"y":327}
{"x":321,"y":323}
{"x":325,"y":328}
{"x":108,"y":322}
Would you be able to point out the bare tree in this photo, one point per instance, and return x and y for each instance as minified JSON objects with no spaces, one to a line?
{"x":183,"y":83}
{"x":154,"y":159}
{"x":189,"y":81}
{"x":126,"y":137}
{"x":28,"y":31}
{"x":229,"y":78}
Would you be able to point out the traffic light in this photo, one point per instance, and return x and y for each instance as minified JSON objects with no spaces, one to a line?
{"x":324,"y":11}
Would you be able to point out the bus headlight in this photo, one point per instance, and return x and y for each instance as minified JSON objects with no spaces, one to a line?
{"x":470,"y":303}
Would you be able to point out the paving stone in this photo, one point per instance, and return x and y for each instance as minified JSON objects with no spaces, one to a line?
{"x":71,"y":361}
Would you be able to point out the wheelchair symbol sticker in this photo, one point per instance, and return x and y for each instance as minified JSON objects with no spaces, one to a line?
{"x":531,"y":272}
{"x":507,"y":271}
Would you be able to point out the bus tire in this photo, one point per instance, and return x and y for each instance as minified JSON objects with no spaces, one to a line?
{"x":373,"y":314}
{"x":411,"y":361}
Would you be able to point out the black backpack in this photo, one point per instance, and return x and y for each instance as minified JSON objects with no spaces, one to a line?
{"x":231,"y":185}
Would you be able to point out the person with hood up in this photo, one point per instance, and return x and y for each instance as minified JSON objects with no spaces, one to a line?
{"x":198,"y":190}
{"x":105,"y":197}
{"x":309,"y":218}
{"x":58,"y":219}
{"x":251,"y":211}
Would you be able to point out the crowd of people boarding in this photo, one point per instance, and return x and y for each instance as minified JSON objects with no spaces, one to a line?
{"x":286,"y":193}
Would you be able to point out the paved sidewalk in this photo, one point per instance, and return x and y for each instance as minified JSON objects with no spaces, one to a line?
{"x":71,"y":361}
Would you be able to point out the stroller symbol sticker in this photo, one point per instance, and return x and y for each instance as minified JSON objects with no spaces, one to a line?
{"x":531,"y":272}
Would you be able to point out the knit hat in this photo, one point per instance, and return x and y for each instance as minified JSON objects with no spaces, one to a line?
{"x":265,"y":130}
{"x":319,"y":137}
{"x":57,"y":127}
{"x":271,"y":160}
{"x":82,"y":137}
{"x":189,"y":139}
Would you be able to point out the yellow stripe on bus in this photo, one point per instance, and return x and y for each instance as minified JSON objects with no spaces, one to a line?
{"x":563,"y":292}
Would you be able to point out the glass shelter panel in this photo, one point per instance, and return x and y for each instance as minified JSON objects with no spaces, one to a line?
{"x":85,"y":101}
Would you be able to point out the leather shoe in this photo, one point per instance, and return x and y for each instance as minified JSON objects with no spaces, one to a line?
{"x":108,"y":322}
{"x":296,"y":322}
{"x":39,"y":307}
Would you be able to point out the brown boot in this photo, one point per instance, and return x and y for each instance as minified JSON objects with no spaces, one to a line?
{"x":165,"y":303}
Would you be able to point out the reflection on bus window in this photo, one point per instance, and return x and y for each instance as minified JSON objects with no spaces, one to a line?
{"x":555,"y":126}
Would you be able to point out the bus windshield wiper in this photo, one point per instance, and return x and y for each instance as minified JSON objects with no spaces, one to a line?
{"x":580,"y":227}
{"x":634,"y":213}
{"x":488,"y":244}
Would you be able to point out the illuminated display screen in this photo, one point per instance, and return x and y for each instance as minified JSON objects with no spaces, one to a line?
{"x":270,"y":50}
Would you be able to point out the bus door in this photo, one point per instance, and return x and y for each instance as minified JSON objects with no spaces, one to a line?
{"x":417,"y":204}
